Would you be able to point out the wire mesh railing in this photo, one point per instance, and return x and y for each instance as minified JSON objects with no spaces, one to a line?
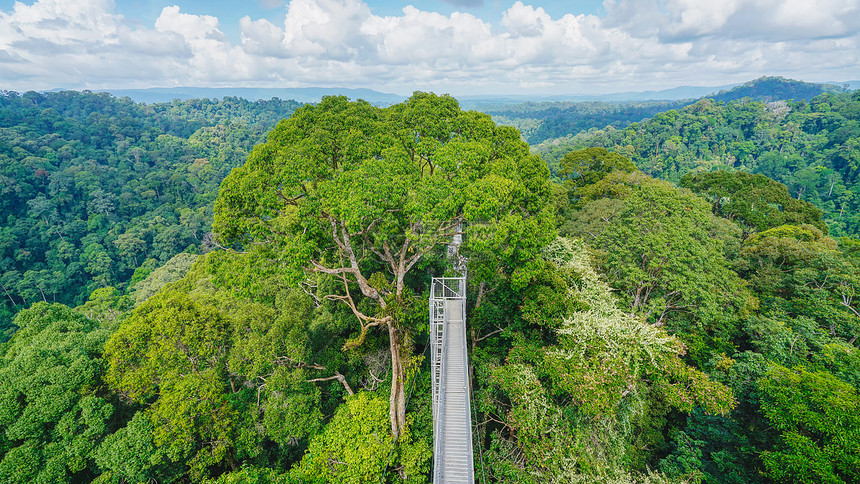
{"x":448,"y":288}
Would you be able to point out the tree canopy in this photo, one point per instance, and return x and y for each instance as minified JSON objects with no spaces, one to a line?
{"x":670,"y":335}
{"x":755,"y":201}
{"x":96,"y":190}
{"x":53,"y":408}
{"x":363,"y":194}
{"x":810,"y":146}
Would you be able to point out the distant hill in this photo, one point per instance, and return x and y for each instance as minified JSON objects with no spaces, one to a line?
{"x":764,"y":88}
{"x":775,"y":88}
{"x":548,"y":120}
{"x":674,"y":94}
{"x":539,"y":121}
{"x":791,"y":143}
{"x":303,"y":94}
{"x":482,"y":102}
{"x":850,"y":85}
{"x":761,"y":89}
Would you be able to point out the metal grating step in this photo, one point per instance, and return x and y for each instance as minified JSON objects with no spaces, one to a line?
{"x":453,"y":461}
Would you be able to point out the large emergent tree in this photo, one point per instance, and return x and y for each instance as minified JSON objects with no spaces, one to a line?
{"x":358,"y":193}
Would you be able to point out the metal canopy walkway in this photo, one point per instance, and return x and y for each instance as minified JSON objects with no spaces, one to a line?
{"x":452,"y":422}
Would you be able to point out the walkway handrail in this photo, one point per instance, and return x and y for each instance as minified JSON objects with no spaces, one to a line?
{"x":438,"y":423}
{"x":452,"y":459}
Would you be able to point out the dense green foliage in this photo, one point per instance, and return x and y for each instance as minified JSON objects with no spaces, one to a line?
{"x":775,"y":88}
{"x":703,"y":334}
{"x":364,"y":194}
{"x":582,"y":403}
{"x":53,"y":407}
{"x":92,"y":186}
{"x":663,"y":250}
{"x":764,"y":306}
{"x":818,"y":417}
{"x":811,"y":147}
{"x":756,"y":202}
{"x":550,"y":120}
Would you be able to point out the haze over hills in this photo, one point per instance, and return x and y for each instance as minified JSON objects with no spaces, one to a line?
{"x":542,"y":121}
{"x":779,"y":88}
{"x":763,"y":88}
{"x":300,"y":94}
{"x":314,"y":94}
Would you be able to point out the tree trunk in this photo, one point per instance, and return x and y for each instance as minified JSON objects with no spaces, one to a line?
{"x":397,"y":400}
{"x":9,"y":295}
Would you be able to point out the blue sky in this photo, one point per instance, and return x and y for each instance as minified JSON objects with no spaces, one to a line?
{"x":145,"y":12}
{"x":456,"y":46}
{"x":229,"y":12}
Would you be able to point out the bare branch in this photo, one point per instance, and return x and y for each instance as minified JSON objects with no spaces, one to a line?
{"x":364,"y":320}
{"x":376,"y":251}
{"x":334,"y":235}
{"x":337,"y":376}
{"x":218,"y":244}
{"x":345,"y":243}
{"x":305,"y":287}
{"x":387,"y":256}
{"x":290,"y":200}
{"x":367,"y":229}
{"x":482,"y":338}
{"x":483,"y":292}
{"x":287,"y":361}
{"x":848,"y":305}
{"x":331,"y":270}
{"x":415,"y":258}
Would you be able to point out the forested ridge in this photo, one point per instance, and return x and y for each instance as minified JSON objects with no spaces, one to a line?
{"x":93,"y":188}
{"x":811,"y":147}
{"x":621,"y":328}
{"x":548,"y":121}
{"x":543,"y":121}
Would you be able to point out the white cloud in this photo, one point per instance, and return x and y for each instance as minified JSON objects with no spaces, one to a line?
{"x":325,"y":27}
{"x":189,"y":26}
{"x":212,"y":57}
{"x":637,"y":45}
{"x":696,"y":17}
{"x":773,"y":20}
{"x":427,"y":37}
{"x":261,"y":37}
{"x":57,"y":42}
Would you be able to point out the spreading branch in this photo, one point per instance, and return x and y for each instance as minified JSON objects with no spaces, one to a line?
{"x":491,"y":333}
{"x":337,"y":376}
{"x":365,"y":321}
{"x":287,"y":361}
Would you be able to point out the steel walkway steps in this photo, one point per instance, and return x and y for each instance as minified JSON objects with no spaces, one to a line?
{"x":452,"y":420}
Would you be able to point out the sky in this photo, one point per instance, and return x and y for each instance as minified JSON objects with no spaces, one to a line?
{"x":466,"y":47}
